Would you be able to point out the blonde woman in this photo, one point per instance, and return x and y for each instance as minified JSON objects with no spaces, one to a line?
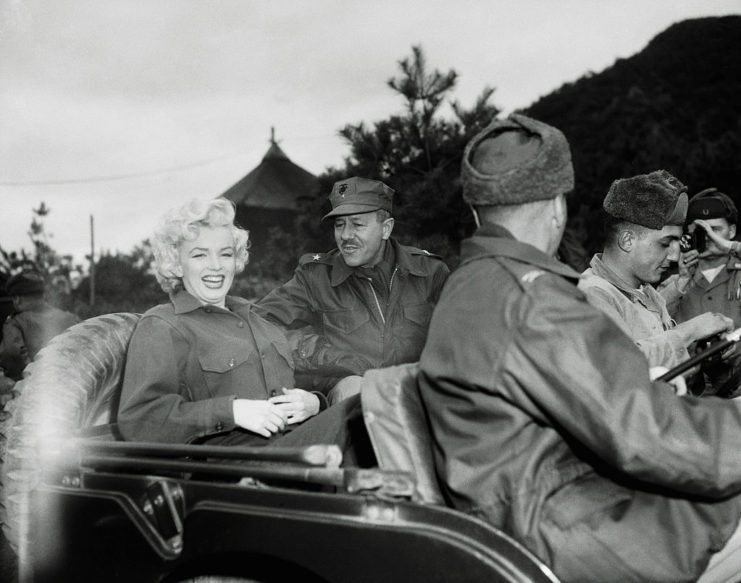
{"x":203,"y":366}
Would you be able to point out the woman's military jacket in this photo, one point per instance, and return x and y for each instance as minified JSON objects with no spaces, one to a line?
{"x":187,"y":362}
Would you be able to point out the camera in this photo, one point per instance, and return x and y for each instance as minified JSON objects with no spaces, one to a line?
{"x":697,"y":239}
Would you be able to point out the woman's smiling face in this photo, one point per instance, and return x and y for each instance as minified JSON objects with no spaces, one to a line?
{"x":208,"y":264}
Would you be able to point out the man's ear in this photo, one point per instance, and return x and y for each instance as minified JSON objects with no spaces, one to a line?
{"x":560,"y":210}
{"x":388,"y":226}
{"x":731,"y":231}
{"x":626,"y":240}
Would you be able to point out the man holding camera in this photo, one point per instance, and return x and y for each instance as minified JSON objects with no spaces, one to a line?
{"x":643,"y":227}
{"x":713,"y":282}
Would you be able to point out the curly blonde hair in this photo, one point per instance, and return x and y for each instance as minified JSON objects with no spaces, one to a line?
{"x":184,"y":224}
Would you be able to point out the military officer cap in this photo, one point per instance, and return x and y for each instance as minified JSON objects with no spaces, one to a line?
{"x":26,"y":283}
{"x":359,"y":195}
{"x":652,"y":200}
{"x":516,"y":161}
{"x":712,"y":204}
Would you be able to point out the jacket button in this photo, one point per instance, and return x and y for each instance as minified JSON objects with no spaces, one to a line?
{"x":231,"y":362}
{"x":273,"y":393}
{"x":207,"y":309}
{"x":240,"y":324}
{"x":219,"y":426}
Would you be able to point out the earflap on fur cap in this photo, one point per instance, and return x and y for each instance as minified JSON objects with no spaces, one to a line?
{"x":652,"y":200}
{"x":516,"y":161}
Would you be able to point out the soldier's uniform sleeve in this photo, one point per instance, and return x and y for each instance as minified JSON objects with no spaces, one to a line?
{"x":597,"y":385}
{"x":291,"y":305}
{"x":13,"y":351}
{"x":664,"y":349}
{"x":440,"y":273}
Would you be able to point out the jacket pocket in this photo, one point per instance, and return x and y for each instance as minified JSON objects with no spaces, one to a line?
{"x":221,"y":362}
{"x":419,"y":313}
{"x":217,"y":368}
{"x":584,"y":498}
{"x":344,"y":321}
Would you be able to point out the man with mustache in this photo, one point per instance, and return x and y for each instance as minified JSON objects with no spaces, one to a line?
{"x":366,"y":304}
{"x":643,"y":226}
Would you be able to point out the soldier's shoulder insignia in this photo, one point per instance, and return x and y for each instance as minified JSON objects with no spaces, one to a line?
{"x":313,"y":258}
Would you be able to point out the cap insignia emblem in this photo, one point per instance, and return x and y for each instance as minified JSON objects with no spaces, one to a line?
{"x":342,"y":189}
{"x":706,"y":211}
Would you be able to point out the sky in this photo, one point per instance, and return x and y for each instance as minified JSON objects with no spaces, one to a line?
{"x":123,"y":109}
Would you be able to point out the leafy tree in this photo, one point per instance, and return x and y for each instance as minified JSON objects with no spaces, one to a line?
{"x":123,"y":283}
{"x":57,"y":269}
{"x":416,"y":152}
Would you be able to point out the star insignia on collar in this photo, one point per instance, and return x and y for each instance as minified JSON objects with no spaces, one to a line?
{"x":316,"y":257}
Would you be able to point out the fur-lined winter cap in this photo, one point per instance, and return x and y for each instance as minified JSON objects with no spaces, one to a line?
{"x":652,"y":200}
{"x":712,"y":204}
{"x":516,"y":161}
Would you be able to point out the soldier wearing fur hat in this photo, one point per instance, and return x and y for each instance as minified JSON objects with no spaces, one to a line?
{"x":364,"y":305}
{"x":544,"y":418}
{"x":33,"y":324}
{"x":643,"y":227}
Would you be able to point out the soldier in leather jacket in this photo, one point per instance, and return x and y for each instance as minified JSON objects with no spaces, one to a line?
{"x":544,"y":419}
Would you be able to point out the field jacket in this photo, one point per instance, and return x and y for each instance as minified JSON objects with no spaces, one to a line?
{"x":545,"y":423}
{"x":340,"y":325}
{"x":721,"y":295}
{"x":187,"y":362}
{"x":641,"y":313}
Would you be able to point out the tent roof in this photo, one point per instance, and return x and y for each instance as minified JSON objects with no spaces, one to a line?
{"x":275,"y":183}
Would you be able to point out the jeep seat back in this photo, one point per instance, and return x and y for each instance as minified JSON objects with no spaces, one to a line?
{"x":398,"y":427}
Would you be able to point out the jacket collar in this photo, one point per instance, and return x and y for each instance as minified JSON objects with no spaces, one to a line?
{"x":495,"y":240}
{"x":646,"y":294}
{"x":723,"y":276}
{"x":183,"y":302}
{"x":341,"y":270}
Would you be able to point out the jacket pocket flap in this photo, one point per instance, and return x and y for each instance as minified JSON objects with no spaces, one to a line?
{"x":221,"y":361}
{"x":419,"y":313}
{"x":345,"y":320}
